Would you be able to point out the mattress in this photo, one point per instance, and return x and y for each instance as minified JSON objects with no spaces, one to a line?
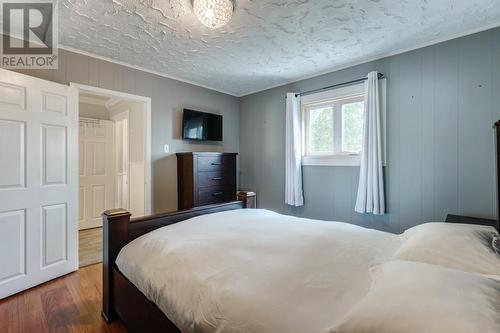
{"x":253,"y":270}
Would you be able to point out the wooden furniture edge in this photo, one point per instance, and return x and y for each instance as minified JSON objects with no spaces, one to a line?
{"x":117,"y":291}
{"x":115,"y":234}
{"x":497,"y":147}
{"x":248,"y":197}
{"x":453,"y":218}
{"x":137,"y":312}
{"x":205,"y":153}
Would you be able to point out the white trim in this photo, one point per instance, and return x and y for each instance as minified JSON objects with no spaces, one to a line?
{"x":92,"y":101}
{"x":109,"y":93}
{"x":112,"y":102}
{"x":142,"y":69}
{"x":332,"y":160}
{"x":336,"y":106}
{"x":333,"y":94}
{"x":138,"y":99}
{"x":377,"y":57}
{"x":340,"y":159}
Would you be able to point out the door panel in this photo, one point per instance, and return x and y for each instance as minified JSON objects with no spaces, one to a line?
{"x":100,"y":132}
{"x":98,"y":200}
{"x":13,"y":162}
{"x":96,"y":171}
{"x":99,"y":159}
{"x":55,"y":103}
{"x":54,"y":234}
{"x":54,"y":154}
{"x":38,"y":181}
{"x":12,"y":243}
{"x":12,"y":95}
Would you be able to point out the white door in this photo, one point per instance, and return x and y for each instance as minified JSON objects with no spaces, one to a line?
{"x":130,"y":120}
{"x":96,"y":191}
{"x":122,"y":159}
{"x":38,"y":181}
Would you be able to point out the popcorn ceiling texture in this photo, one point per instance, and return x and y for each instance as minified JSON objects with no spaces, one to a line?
{"x":267,"y":42}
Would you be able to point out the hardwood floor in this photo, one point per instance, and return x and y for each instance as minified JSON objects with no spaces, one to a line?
{"x":71,"y":303}
{"x":90,"y":246}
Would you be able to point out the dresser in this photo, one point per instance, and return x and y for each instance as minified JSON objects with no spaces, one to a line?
{"x":205,"y":178}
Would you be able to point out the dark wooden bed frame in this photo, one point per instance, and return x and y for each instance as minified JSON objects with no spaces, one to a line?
{"x":120,"y":297}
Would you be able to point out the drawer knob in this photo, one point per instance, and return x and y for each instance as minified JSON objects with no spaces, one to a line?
{"x":217,"y":194}
{"x":216,"y":163}
{"x":217,"y":178}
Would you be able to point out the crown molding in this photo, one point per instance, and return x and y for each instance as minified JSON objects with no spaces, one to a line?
{"x":112,"y":102}
{"x":92,"y":100}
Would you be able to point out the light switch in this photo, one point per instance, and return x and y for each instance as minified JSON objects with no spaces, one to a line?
{"x":166,"y":148}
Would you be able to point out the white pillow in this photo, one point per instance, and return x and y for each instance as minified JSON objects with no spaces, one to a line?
{"x":412,"y":297}
{"x":462,"y":246}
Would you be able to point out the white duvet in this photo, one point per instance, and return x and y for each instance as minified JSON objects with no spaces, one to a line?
{"x":253,"y":270}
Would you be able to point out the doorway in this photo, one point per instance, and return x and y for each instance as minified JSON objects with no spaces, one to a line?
{"x":114,"y":162}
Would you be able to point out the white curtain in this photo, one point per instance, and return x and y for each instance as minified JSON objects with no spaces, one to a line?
{"x":371,"y":179}
{"x":293,"y":152}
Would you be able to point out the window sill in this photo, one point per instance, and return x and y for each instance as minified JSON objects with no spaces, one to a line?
{"x":337,"y":160}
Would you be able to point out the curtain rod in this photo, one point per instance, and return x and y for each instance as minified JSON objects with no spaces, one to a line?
{"x":309,"y":92}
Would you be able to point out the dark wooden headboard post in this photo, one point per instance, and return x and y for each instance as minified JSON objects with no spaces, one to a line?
{"x":497,"y":142}
{"x":115,"y":235}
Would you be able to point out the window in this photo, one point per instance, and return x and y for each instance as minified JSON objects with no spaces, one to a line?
{"x":333,"y":126}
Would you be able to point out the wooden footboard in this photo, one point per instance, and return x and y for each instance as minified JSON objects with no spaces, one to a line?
{"x":120,"y":297}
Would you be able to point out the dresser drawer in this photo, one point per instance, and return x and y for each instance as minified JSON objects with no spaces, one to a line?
{"x":214,"y":178}
{"x":205,"y":178}
{"x":215,"y":163}
{"x":214,"y":194}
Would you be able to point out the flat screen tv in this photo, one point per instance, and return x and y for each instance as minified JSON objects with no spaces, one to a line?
{"x":201,"y":126}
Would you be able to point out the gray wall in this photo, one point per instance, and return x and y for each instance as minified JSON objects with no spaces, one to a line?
{"x":442,"y":102}
{"x":168,"y":98}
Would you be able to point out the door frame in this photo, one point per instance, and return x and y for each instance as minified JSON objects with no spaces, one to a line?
{"x":146,"y":101}
{"x":126,"y":116}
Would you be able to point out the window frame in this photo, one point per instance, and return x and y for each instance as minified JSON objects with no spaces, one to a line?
{"x":331,"y":97}
{"x":306,"y":124}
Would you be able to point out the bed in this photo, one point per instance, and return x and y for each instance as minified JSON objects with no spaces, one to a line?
{"x":230,"y":269}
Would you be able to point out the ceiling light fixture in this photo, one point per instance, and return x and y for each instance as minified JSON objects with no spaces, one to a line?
{"x":213,"y":13}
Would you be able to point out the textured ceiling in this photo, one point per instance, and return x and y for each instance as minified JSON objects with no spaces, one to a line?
{"x":268,"y":42}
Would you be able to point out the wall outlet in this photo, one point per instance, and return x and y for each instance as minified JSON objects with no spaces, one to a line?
{"x":166,"y":148}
